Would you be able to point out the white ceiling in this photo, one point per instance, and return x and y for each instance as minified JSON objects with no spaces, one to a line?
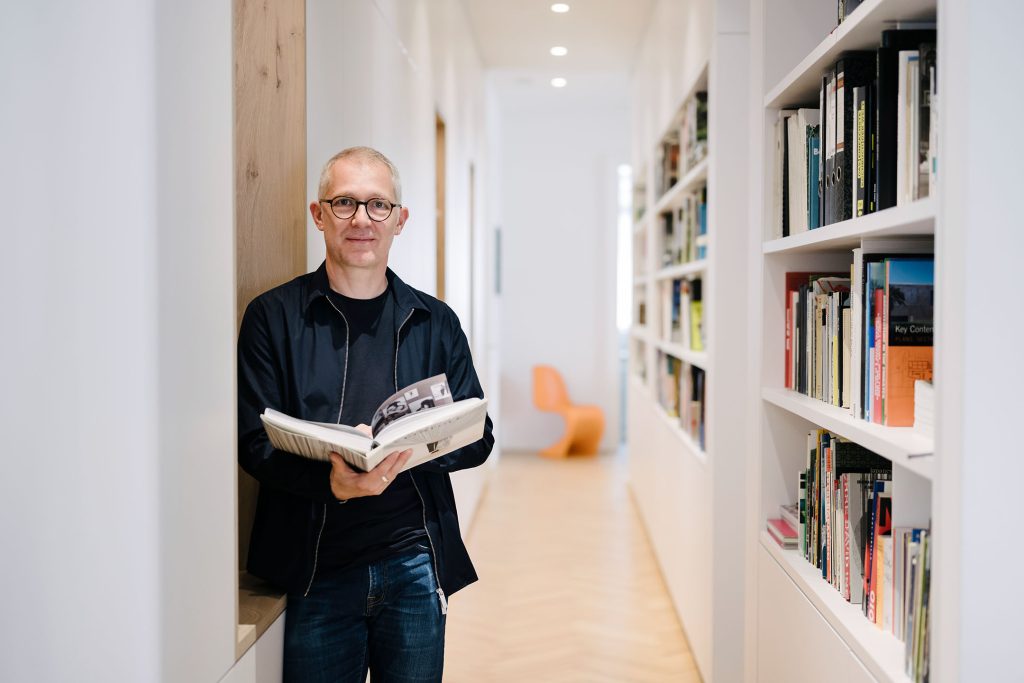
{"x":515,"y":36}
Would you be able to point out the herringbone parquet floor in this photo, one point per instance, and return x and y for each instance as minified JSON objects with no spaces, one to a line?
{"x":569,"y":589}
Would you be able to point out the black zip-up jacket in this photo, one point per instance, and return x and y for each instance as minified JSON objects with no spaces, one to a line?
{"x":292,"y":351}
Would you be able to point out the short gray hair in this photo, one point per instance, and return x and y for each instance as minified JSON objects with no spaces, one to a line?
{"x":365,"y":154}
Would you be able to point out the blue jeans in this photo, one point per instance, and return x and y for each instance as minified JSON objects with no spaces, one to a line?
{"x":385,"y":618}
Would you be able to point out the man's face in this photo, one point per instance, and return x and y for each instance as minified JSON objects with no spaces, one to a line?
{"x":359,"y":242}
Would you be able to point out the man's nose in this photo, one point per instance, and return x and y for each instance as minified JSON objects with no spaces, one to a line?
{"x":365,"y":217}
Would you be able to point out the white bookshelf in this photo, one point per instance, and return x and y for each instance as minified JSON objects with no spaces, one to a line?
{"x":914,"y":219}
{"x":682,"y":270}
{"x":698,"y":358}
{"x":882,"y":656}
{"x":797,"y":41}
{"x":687,"y":495}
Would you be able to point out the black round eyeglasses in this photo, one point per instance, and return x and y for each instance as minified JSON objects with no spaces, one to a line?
{"x":377,"y":209}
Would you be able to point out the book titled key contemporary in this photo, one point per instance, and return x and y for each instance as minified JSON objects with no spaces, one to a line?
{"x":422,"y":416}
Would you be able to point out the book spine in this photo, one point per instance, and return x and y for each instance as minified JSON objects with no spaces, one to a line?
{"x":859,"y":151}
{"x":876,"y":370}
{"x":802,"y":509}
{"x":845,"y":480}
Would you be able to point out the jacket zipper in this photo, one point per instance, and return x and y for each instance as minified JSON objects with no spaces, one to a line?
{"x":344,"y":381}
{"x":423,"y":505}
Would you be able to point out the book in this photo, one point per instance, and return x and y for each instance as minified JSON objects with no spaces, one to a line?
{"x":813,"y":173}
{"x":790,"y":514}
{"x":797,"y":155}
{"x":925,"y":153}
{"x":853,"y":70}
{"x":782,"y":533}
{"x":907,"y":348}
{"x":906,"y":132}
{"x":886,"y":114}
{"x":422,"y":416}
{"x":873,"y":249}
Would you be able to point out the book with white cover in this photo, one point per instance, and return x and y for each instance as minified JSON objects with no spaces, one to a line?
{"x":798,"y":181}
{"x":422,"y":417}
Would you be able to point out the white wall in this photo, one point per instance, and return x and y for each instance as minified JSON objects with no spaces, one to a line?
{"x":118,"y":299}
{"x":559,"y":193}
{"x":377,"y":71}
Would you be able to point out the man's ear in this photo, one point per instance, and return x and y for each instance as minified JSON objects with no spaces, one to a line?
{"x":403,"y":216}
{"x":316,"y":209}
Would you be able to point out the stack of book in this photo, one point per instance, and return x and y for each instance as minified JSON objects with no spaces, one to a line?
{"x":861,"y":340}
{"x":782,"y":532}
{"x":684,"y":230}
{"x":845,"y":529}
{"x":694,"y":130}
{"x":870,"y":144}
{"x":785,"y":529}
{"x":681,"y":394}
{"x":819,"y":336}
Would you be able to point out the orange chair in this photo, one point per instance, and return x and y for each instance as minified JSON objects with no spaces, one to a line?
{"x":584,"y":425}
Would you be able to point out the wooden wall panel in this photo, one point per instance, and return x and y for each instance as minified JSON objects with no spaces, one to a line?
{"x":270,"y":165}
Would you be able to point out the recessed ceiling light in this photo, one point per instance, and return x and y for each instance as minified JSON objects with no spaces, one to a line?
{"x":560,"y":7}
{"x":559,"y":51}
{"x":559,"y":82}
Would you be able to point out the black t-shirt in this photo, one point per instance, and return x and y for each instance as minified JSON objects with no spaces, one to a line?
{"x":366,"y":529}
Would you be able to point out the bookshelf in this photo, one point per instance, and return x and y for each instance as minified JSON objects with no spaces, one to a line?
{"x":795,"y":607}
{"x":685,"y":486}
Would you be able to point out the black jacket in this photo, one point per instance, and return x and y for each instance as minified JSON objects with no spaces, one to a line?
{"x":292,"y":350}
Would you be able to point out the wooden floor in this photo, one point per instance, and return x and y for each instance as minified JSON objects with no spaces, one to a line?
{"x":569,"y":588}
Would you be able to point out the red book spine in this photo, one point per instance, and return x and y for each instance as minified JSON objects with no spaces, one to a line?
{"x":789,"y":340}
{"x":846,"y":536}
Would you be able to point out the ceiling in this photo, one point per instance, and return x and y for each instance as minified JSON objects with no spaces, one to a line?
{"x":515,"y":37}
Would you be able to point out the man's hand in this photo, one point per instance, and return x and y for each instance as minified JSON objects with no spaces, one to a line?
{"x":349,"y":483}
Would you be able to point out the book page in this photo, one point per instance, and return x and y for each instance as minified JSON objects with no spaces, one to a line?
{"x":315,"y":440}
{"x":434,"y":425}
{"x":423,"y":395}
{"x":462,"y":424}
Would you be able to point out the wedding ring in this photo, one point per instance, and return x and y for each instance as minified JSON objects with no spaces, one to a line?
{"x":386,"y":480}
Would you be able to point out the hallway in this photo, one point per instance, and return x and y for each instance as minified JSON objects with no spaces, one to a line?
{"x":569,"y":587}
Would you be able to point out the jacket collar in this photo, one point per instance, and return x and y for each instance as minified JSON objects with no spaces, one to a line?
{"x":406,"y":298}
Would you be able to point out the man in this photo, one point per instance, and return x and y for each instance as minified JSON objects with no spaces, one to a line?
{"x":368,"y":559}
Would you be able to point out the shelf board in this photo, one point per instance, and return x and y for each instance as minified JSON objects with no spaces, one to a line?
{"x":691,"y":446}
{"x":699,"y":82}
{"x":691,"y":181}
{"x":640,"y":333}
{"x":916,"y":218}
{"x":902,"y":445}
{"x":681,"y":270}
{"x":862,"y":31}
{"x":881,"y":653}
{"x":698,"y":358}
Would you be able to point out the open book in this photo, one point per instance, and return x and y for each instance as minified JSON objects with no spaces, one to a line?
{"x":422,"y":417}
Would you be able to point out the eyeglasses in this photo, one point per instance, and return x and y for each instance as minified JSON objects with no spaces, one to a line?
{"x":376,"y":208}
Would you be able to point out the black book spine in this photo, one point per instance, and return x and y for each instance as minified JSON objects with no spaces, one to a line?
{"x":871,"y":188}
{"x":785,"y":176}
{"x":887,"y":76}
{"x":855,"y":69}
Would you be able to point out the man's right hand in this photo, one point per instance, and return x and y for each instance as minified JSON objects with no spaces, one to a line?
{"x":348,"y":483}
